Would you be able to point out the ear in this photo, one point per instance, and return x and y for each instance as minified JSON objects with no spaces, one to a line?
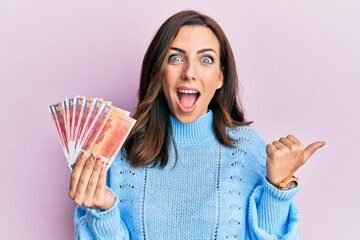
{"x":220,"y":82}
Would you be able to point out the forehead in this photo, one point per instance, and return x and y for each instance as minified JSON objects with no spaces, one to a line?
{"x":197,"y":37}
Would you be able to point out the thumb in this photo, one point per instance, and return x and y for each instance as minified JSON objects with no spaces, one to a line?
{"x":309,"y":150}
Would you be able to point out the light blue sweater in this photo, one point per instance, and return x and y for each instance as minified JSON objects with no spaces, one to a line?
{"x":211,"y":192}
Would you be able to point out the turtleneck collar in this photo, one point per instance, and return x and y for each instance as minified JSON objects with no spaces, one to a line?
{"x":199,"y":131}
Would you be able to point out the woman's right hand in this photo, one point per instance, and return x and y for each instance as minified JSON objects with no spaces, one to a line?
{"x":88,"y":184}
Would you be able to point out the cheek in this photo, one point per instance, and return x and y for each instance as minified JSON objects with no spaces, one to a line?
{"x":211,"y":82}
{"x":167,"y":80}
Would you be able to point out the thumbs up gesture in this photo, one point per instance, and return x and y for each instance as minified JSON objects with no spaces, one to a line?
{"x":285,"y":156}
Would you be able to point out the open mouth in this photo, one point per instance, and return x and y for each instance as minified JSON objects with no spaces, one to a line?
{"x":187,"y":98}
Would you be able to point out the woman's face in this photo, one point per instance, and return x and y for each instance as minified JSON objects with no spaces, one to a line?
{"x":192,"y":72}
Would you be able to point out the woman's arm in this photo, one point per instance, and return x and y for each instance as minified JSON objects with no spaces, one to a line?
{"x":96,"y":224}
{"x":272,"y":212}
{"x":97,"y":215}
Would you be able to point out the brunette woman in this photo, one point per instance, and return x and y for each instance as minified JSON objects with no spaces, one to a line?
{"x":192,"y":167}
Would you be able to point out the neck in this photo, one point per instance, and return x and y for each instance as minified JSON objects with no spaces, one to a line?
{"x":201,"y":130}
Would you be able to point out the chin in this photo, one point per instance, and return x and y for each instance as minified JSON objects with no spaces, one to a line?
{"x":187,"y":119}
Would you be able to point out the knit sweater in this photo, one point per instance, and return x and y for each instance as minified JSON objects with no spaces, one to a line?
{"x":209,"y":191}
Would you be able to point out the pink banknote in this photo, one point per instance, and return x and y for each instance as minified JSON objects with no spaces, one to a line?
{"x":96,"y":118}
{"x":112,"y":135}
{"x":57,"y":114}
{"x":79,"y":112}
{"x":92,"y":126}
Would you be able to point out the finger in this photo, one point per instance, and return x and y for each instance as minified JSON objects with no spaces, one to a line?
{"x":278,"y":145}
{"x":101,"y":185}
{"x":75,"y":175}
{"x":293,"y":139}
{"x":85,"y":176}
{"x":286,"y":142}
{"x":270,"y":149}
{"x":93,"y":181}
{"x":295,"y":146}
{"x":309,"y":150}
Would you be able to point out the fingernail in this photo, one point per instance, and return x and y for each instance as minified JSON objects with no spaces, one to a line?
{"x":81,"y":155}
{"x":91,"y":158}
{"x":105,"y":165}
{"x":97,"y":159}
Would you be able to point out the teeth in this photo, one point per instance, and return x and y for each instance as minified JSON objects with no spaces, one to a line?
{"x":188,"y":91}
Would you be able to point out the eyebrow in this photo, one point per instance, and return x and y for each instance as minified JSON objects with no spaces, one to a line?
{"x":198,"y":52}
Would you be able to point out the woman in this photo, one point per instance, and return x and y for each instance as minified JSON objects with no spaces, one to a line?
{"x":192,"y":167}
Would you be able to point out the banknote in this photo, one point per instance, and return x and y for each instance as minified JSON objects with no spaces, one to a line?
{"x":79,"y":120}
{"x":67,"y":105}
{"x":57,"y":127}
{"x":112,"y":136}
{"x":57,"y":114}
{"x":94,"y":120}
{"x":84,"y":121}
{"x":74,"y":101}
{"x":91,"y":126}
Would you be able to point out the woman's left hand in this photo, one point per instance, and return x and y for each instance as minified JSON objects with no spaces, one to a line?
{"x":285,"y":156}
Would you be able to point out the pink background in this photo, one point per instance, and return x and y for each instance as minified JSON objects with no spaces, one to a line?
{"x":298,"y":62}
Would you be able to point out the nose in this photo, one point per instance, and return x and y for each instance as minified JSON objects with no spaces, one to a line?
{"x":189,"y":72}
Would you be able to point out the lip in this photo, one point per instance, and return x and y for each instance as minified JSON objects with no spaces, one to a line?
{"x":187,"y":88}
{"x":187,"y":110}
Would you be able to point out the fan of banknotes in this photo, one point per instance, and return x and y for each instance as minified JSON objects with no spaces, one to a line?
{"x":90,"y":126}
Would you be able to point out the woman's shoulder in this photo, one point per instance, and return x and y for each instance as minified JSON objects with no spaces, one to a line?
{"x":245,"y":134}
{"x":120,"y":164}
{"x":121,"y":170}
{"x":248,"y":140}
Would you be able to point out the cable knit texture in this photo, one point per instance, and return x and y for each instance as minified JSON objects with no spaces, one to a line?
{"x":210,"y":192}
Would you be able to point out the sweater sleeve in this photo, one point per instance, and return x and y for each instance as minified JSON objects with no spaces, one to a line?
{"x":273,"y":213}
{"x":100,"y":225}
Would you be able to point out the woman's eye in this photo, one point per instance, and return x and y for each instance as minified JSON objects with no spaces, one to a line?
{"x":175,"y":58}
{"x":207,"y":59}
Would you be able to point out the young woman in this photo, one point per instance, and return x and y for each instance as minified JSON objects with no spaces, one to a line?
{"x":192,"y":167}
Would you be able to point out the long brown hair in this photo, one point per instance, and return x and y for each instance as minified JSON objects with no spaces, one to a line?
{"x":148,"y":143}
